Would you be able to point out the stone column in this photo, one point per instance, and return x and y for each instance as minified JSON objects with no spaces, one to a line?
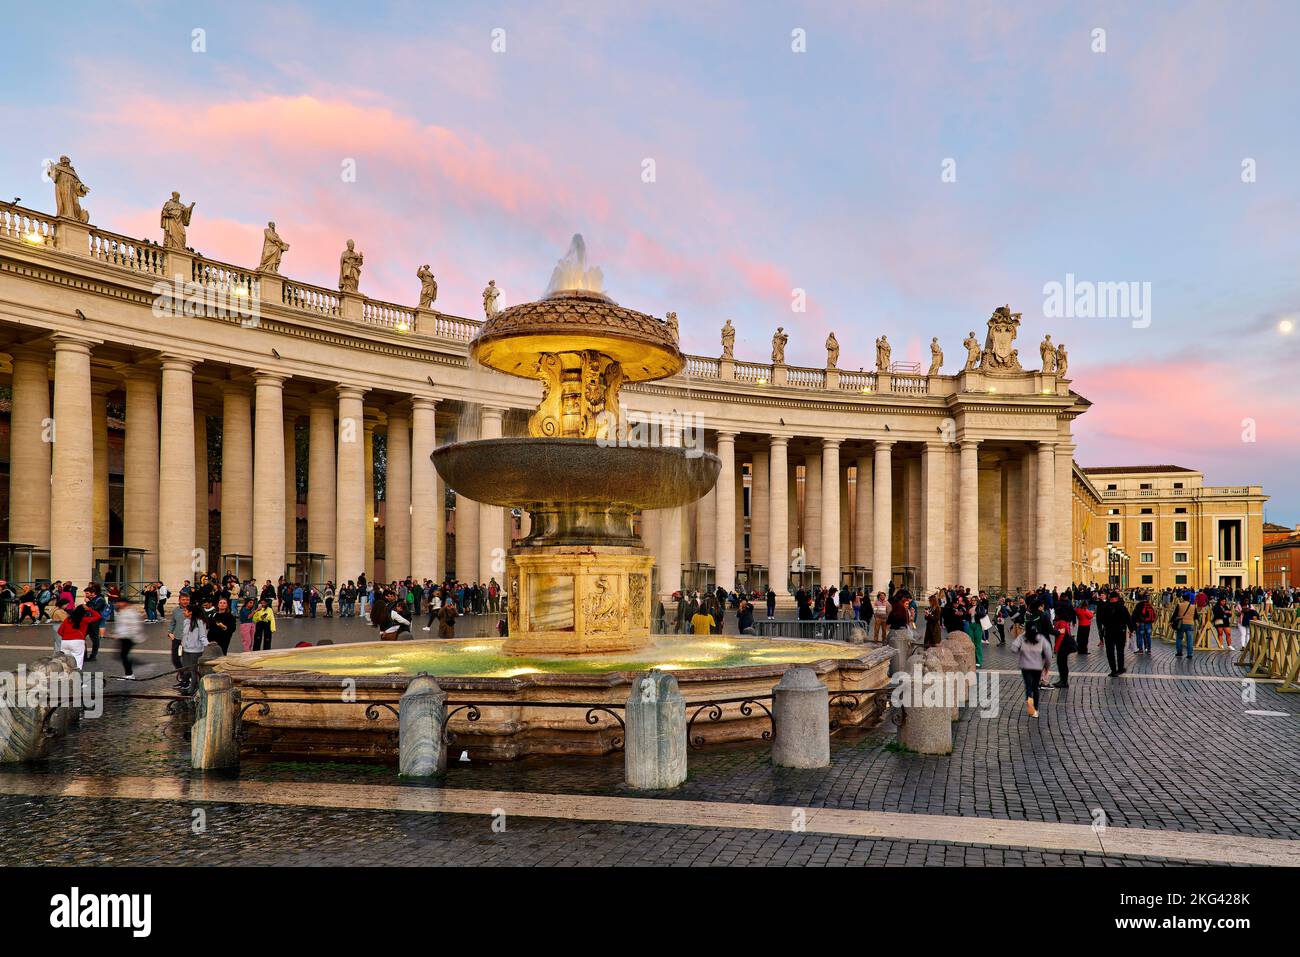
{"x":760,"y":505}
{"x":426,"y":507}
{"x":811,"y":526}
{"x":491,"y":518}
{"x":830,"y":517}
{"x":350,"y":493}
{"x":778,"y":550}
{"x":706,"y":527}
{"x":72,"y":481}
{"x":368,"y":522}
{"x":724,"y":512}
{"x":913,"y":530}
{"x":739,"y":499}
{"x":269,"y":545}
{"x":397,"y":499}
{"x":176,"y":480}
{"x":202,"y":526}
{"x":236,"y":474}
{"x":467,"y":510}
{"x":140,"y":467}
{"x":321,"y":476}
{"x":1064,"y":512}
{"x":290,"y":439}
{"x":30,"y":439}
{"x":864,"y":506}
{"x":934,"y":506}
{"x":968,"y":508}
{"x":99,"y":436}
{"x":1045,"y":573}
{"x":882,"y":561}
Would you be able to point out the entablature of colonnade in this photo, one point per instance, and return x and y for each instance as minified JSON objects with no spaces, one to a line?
{"x":58,"y":275}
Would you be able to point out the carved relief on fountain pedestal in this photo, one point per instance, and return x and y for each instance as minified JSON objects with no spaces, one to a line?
{"x":579,"y":396}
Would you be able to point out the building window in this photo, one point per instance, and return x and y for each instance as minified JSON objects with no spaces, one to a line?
{"x":1180,"y":511}
{"x":1148,"y":511}
{"x":1148,"y":579}
{"x":1180,"y":558}
{"x":1180,"y":579}
{"x":1113,"y":511}
{"x":1180,"y":531}
{"x":1147,"y":558}
{"x":1147,"y":532}
{"x":1144,"y":485}
{"x":1112,"y":531}
{"x":1112,"y":488}
{"x":1178,"y":485}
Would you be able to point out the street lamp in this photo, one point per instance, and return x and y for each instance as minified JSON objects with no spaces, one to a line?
{"x":1257,"y":579}
{"x":1210,"y":559}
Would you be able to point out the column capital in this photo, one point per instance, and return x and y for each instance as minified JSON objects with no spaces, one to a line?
{"x":970,"y":443}
{"x":138,"y":373}
{"x":775,"y":440}
{"x":325,"y":399}
{"x":66,"y":342}
{"x":936,"y":445}
{"x":883,"y":445}
{"x":29,"y":351}
{"x":350,"y":392}
{"x":269,"y":377}
{"x":725,"y":436}
{"x":174,"y":363}
{"x":423,"y":402}
{"x":401,"y":409}
{"x":1046,"y":446}
{"x":831,"y":444}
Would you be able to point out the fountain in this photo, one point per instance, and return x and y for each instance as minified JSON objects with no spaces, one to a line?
{"x":579,"y":584}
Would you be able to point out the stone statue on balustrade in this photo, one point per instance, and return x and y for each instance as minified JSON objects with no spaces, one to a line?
{"x":671,"y":319}
{"x":68,"y":190}
{"x":491,"y":296}
{"x":1062,"y":361}
{"x":973,"y":351}
{"x":728,"y":340}
{"x":779,"y":340}
{"x":273,"y":249}
{"x":428,"y":286}
{"x":175,"y":217}
{"x":1048,"y":352}
{"x":882,"y":354}
{"x":999,"y":353}
{"x":350,"y":262}
{"x":936,"y":356}
{"x":832,"y":351}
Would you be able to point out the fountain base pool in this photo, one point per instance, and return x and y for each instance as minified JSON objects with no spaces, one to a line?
{"x":340,"y":700}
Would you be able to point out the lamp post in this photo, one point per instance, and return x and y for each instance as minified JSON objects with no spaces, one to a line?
{"x":1210,"y":582}
{"x":1257,"y":578}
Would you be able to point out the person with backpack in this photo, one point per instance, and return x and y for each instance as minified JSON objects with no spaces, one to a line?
{"x":1034,"y":654}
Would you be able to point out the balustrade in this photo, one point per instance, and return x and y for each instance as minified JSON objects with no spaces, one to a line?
{"x":26,"y":226}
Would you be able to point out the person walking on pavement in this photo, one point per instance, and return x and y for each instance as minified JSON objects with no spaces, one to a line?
{"x":1114,"y":623}
{"x":128,"y":629}
{"x":1034,"y":652}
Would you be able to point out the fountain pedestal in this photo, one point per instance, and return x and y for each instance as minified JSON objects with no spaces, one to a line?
{"x":578,"y":599}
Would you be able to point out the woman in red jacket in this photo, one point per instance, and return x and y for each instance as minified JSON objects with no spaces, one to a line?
{"x":73,"y":629}
{"x":1084,"y":614}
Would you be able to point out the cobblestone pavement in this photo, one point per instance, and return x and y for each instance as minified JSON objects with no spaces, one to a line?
{"x":160,"y":833}
{"x":1169,"y":746}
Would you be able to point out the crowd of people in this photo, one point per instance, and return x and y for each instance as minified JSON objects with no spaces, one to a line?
{"x":1045,"y":627}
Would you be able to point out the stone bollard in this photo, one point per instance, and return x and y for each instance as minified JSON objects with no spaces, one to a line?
{"x":422,"y":723}
{"x":963,"y":650}
{"x":801,"y":721}
{"x":927,"y":729}
{"x":949,"y":665}
{"x":654,"y":748}
{"x":212,"y":739}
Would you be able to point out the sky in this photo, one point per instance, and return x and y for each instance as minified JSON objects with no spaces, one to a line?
{"x":908,"y":166}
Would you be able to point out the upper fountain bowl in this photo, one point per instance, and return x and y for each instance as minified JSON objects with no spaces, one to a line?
{"x":575,"y":320}
{"x":525,"y":472}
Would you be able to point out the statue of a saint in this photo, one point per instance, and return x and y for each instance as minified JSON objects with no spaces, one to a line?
{"x":728,"y":340}
{"x":832,"y":351}
{"x":973,"y":351}
{"x":1048,"y":352}
{"x":350,"y":268}
{"x":779,"y":339}
{"x":936,"y":356}
{"x":428,"y":286}
{"x":273,"y":247}
{"x":673,"y":331}
{"x":1062,"y":361}
{"x":882,"y":354}
{"x":490,"y":296}
{"x":68,"y":190}
{"x":175,"y":217}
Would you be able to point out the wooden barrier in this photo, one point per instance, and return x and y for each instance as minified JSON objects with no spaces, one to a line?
{"x":1273,"y":652}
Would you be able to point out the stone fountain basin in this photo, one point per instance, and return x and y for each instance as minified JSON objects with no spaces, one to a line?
{"x":308,"y":715}
{"x":519,"y":472}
